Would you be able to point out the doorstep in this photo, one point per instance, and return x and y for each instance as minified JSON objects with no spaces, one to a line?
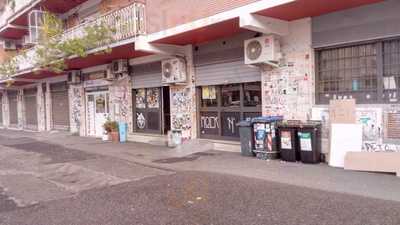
{"x":222,"y":145}
{"x":153,"y":139}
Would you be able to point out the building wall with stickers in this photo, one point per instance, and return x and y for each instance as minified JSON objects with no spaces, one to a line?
{"x":183,"y":102}
{"x":288,"y":89}
{"x":77,"y":107}
{"x":121,"y":101}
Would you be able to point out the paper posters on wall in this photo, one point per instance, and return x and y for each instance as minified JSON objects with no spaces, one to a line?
{"x":286,"y":140}
{"x":305,"y":141}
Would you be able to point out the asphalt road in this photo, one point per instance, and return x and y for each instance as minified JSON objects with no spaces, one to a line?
{"x":188,"y":198}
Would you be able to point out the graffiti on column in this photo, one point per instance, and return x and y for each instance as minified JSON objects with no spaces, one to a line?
{"x":231,"y":124}
{"x":181,"y":101}
{"x":76,"y":107}
{"x":181,"y":121}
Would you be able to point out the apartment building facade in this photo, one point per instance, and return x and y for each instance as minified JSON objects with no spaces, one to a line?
{"x":200,"y":67}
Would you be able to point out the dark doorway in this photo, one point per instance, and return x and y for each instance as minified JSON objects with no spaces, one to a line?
{"x":166,"y":109}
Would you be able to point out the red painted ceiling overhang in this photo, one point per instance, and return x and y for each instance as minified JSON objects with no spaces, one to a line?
{"x":290,"y":11}
{"x":54,"y":6}
{"x":120,"y":52}
{"x":13,"y":33}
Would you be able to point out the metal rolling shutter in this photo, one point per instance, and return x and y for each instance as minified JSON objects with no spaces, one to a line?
{"x":12,"y":99}
{"x":147,"y":75}
{"x":30,"y":109}
{"x":225,"y":66}
{"x":60,"y":106}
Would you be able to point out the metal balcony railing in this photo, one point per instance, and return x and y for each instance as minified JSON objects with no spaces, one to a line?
{"x":10,"y":11}
{"x":125,"y":23}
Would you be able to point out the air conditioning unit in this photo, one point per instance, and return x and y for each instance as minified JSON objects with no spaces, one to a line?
{"x":119,"y":66}
{"x":26,"y":40}
{"x":262,"y":50}
{"x":174,"y":71}
{"x":74,"y":77}
{"x":9,"y":45}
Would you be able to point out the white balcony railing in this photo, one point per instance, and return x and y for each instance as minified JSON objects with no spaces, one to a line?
{"x":126,"y":23}
{"x":10,"y":11}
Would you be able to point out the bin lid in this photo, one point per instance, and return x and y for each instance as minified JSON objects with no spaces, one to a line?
{"x":267,"y":119}
{"x":244,"y":123}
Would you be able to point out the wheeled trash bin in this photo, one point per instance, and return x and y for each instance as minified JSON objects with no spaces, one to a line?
{"x":265,"y":136}
{"x":288,"y":142}
{"x":309,"y":135}
{"x":246,"y":137}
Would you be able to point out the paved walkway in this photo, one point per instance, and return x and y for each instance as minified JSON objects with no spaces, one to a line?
{"x":322,"y":177}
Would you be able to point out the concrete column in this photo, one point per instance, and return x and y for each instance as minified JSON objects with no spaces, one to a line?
{"x":121,"y":101}
{"x":77,"y":109}
{"x":183,"y":101}
{"x":41,"y":112}
{"x":6,"y":110}
{"x":21,"y":109}
{"x":49,"y":116}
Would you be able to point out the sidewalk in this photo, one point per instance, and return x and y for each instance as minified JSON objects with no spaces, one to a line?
{"x":323,"y":177}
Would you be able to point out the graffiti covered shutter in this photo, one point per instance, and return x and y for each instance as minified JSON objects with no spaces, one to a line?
{"x":60,"y":106}
{"x":12,"y":99}
{"x":30,"y":109}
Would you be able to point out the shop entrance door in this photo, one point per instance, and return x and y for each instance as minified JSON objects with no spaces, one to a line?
{"x":97,"y":112}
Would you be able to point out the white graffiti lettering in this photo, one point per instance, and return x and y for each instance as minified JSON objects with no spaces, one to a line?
{"x":231,"y":124}
{"x":209,"y":122}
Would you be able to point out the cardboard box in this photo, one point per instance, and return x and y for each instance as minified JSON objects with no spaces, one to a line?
{"x":388,"y":162}
{"x":342,"y":111}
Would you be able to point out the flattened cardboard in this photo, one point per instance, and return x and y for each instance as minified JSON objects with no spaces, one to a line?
{"x":342,"y":111}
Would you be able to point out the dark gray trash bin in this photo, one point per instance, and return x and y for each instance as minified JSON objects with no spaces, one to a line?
{"x":246,"y":137}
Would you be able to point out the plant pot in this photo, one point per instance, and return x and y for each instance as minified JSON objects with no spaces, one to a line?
{"x":114,"y":136}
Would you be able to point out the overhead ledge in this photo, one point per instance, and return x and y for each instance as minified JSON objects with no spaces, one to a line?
{"x":161,"y":49}
{"x":265,"y":25}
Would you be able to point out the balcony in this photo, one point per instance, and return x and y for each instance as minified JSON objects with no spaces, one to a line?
{"x":126,"y":23}
{"x":11,"y":10}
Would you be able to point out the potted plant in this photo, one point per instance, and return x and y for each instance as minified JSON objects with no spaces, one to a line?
{"x":111,"y":127}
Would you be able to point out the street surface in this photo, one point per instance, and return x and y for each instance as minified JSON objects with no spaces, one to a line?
{"x":46,"y":183}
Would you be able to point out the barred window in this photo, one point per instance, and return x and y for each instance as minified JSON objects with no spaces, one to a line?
{"x":348,"y":72}
{"x":391,"y":71}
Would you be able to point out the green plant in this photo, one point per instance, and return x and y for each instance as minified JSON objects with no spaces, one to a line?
{"x":52,"y":49}
{"x":110,"y":126}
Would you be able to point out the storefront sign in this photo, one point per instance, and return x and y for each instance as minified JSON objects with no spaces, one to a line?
{"x":95,"y":83}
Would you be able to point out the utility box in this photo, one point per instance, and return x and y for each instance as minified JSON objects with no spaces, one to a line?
{"x":265,"y":137}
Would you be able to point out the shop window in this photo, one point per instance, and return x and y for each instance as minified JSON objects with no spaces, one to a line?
{"x":348,"y":72}
{"x":252,"y":94}
{"x":391,"y":71}
{"x":231,"y":95}
{"x":147,"y":110}
{"x":209,"y":96}
{"x":221,"y":108}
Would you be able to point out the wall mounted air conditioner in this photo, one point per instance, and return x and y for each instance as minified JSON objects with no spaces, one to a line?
{"x":119,"y":66}
{"x":26,"y":40}
{"x":174,"y":71}
{"x":9,"y":45}
{"x":262,"y":50}
{"x":74,"y":77}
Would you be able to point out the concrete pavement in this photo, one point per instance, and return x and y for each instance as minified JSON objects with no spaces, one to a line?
{"x":323,"y":177}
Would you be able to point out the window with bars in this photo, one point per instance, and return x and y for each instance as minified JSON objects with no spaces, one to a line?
{"x":391,"y":70}
{"x":348,"y":72}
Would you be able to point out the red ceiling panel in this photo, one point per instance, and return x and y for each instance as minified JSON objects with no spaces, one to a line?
{"x":13,"y":33}
{"x":291,"y":11}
